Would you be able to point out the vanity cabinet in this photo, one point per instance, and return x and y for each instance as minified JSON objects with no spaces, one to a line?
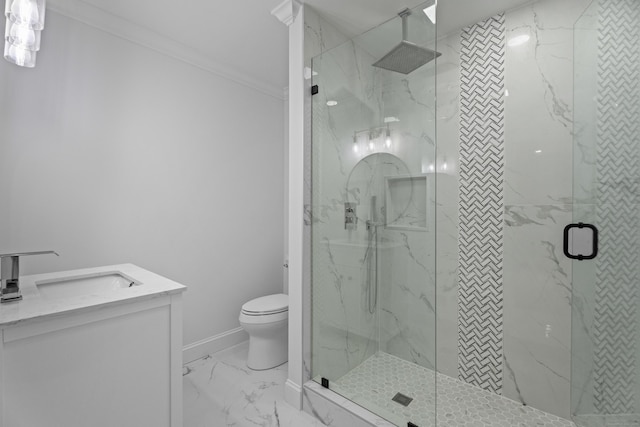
{"x":115,"y":363}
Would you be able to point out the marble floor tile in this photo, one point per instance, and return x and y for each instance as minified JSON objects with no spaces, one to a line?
{"x":220,"y":390}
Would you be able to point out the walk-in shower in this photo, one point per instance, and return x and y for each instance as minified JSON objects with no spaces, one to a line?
{"x":441,"y":294}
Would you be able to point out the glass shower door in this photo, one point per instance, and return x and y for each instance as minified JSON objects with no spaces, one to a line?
{"x":605,"y":381}
{"x":373,"y":230}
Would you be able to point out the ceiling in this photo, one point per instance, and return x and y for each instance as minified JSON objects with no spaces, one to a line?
{"x":239,"y":39}
{"x":354,"y":17}
{"x":243,"y":38}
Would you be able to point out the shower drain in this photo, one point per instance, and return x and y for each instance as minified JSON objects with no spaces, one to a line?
{"x":402,"y":399}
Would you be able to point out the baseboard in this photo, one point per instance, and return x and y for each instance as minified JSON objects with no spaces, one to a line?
{"x":293,"y":394}
{"x":200,"y":349}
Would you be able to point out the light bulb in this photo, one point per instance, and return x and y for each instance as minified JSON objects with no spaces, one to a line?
{"x":387,"y":141}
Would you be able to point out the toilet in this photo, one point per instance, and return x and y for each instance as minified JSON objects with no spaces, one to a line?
{"x":265,"y":319}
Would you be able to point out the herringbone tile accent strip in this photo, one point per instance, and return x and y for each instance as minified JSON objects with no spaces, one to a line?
{"x":481,"y":204}
{"x":616,"y":307}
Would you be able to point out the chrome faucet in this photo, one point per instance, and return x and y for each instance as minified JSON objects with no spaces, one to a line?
{"x":10,"y":274}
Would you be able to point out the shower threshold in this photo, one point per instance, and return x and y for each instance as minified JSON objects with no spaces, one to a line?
{"x":632,"y":420}
{"x":375,"y":382}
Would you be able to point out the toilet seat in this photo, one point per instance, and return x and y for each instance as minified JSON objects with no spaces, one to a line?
{"x":264,"y":319}
{"x":263,"y":313}
{"x":266,"y":306}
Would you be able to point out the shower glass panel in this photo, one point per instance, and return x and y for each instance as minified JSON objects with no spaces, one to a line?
{"x":373,"y":232}
{"x":605,"y":377}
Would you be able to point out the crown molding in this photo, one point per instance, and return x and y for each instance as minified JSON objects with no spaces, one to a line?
{"x":127,"y":30}
{"x":286,"y":11}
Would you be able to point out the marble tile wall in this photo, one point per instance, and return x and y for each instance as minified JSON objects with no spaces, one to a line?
{"x":448,"y":135}
{"x":537,"y":276}
{"x":537,"y":199}
{"x":407,"y":304}
{"x":538,"y":159}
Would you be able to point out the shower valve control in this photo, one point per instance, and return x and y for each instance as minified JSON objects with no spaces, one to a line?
{"x":350,"y":218}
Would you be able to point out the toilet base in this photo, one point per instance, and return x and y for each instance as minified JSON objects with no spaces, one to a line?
{"x":268,"y":345}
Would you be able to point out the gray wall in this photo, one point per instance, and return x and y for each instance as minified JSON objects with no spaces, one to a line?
{"x":111,"y":152}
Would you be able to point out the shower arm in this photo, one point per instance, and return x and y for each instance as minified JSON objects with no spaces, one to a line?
{"x":405,"y":23}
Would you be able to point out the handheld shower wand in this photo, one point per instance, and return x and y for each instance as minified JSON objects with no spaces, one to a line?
{"x":372,"y":256}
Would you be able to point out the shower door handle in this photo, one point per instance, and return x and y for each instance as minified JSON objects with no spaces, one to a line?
{"x":580,"y":241}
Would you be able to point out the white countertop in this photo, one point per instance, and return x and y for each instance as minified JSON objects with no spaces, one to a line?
{"x":34,"y":306}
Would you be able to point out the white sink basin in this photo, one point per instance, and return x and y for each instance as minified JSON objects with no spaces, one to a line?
{"x":74,"y":286}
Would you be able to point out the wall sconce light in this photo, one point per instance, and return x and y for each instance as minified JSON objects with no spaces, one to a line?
{"x":374,"y":139}
{"x":25,"y":21}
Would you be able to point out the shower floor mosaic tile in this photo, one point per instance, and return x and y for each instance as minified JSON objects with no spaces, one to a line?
{"x":220,"y":390}
{"x":379,"y":378}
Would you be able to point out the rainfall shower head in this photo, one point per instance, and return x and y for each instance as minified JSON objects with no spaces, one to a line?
{"x":406,"y":56}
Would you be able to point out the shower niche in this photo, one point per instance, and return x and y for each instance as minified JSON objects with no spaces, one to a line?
{"x":406,"y":202}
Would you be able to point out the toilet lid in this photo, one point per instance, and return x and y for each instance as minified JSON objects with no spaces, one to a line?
{"x":270,"y":304}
